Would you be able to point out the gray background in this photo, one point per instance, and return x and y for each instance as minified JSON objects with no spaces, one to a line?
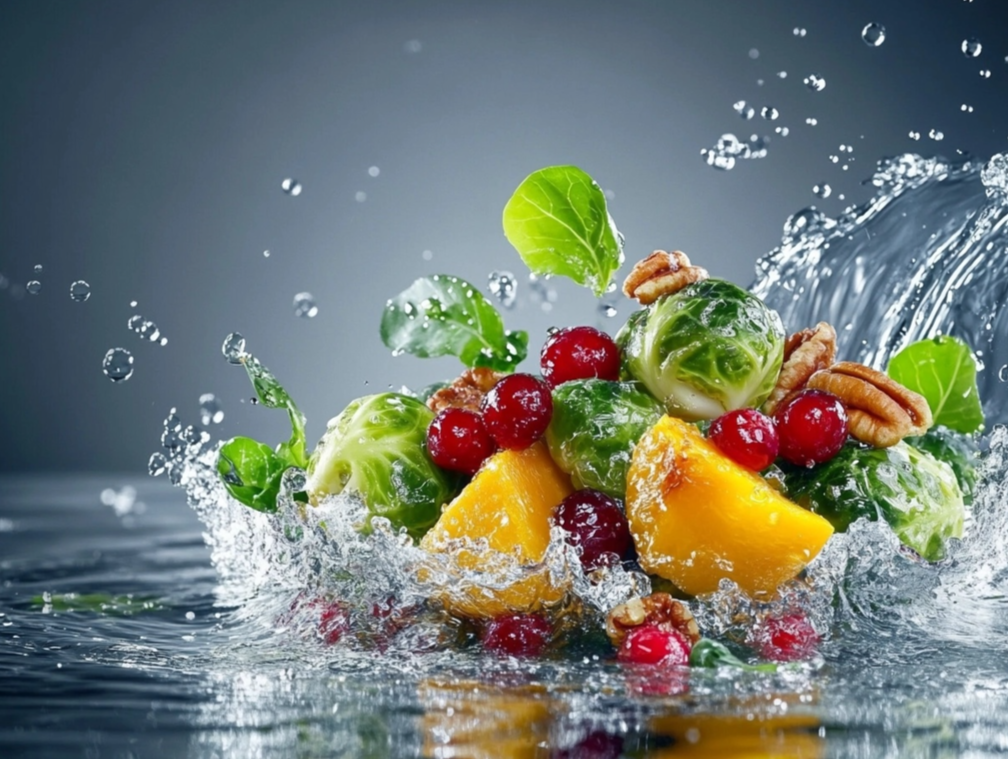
{"x":144,"y":143}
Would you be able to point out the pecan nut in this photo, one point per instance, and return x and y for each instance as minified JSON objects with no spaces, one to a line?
{"x":881,"y":411}
{"x":660,"y":274}
{"x":805,"y":353}
{"x":658,"y":609}
{"x":465,"y":392}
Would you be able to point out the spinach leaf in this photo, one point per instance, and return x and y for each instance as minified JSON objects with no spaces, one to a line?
{"x":943,"y":371}
{"x":558,"y":222}
{"x":272,"y":395}
{"x":709,"y":653}
{"x":251,"y":472}
{"x":446,"y":316}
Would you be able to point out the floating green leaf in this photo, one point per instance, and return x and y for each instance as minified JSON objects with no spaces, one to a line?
{"x":273,"y":395}
{"x":446,"y":316}
{"x":943,"y":371}
{"x":251,"y":472}
{"x":709,"y":653}
{"x":558,"y":222}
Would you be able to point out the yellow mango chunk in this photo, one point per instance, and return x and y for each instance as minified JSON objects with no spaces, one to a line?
{"x":697,"y":517}
{"x":508,"y":503}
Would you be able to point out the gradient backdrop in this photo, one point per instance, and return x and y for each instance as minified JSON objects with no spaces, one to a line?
{"x":144,"y":144}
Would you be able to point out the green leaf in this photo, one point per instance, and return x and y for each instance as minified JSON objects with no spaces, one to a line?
{"x":251,"y":472}
{"x":558,"y":222}
{"x":943,"y":371}
{"x":446,"y":316}
{"x":97,"y":603}
{"x":709,"y":653}
{"x":272,"y":395}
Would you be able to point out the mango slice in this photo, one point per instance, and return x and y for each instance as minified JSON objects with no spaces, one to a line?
{"x":697,"y":517}
{"x":508,"y":503}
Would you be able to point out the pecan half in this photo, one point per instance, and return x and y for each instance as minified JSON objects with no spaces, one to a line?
{"x":882,"y":412}
{"x":466,"y":392}
{"x":805,"y":353}
{"x":660,"y":274}
{"x":657,"y":609}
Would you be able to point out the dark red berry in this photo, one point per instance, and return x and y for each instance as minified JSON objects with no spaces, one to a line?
{"x":650,"y":644}
{"x":747,"y":437}
{"x":458,"y":440}
{"x":334,"y":622}
{"x":579,"y":353}
{"x":594,"y":521}
{"x":787,"y":638}
{"x":517,"y":410}
{"x":517,"y":635}
{"x":812,"y":427}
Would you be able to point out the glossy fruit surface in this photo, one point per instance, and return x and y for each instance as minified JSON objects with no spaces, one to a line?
{"x":517,"y":635}
{"x":517,"y":410}
{"x":812,"y":427}
{"x":596,"y":523}
{"x":747,"y":437}
{"x":650,"y":644}
{"x":458,"y":440}
{"x":579,"y":353}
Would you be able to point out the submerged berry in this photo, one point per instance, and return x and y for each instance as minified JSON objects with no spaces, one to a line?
{"x":517,"y":410}
{"x":334,"y":622}
{"x":579,"y":353}
{"x":812,"y":427}
{"x":650,"y":644}
{"x":596,"y":523}
{"x":517,"y":635}
{"x":458,"y":440}
{"x":747,"y":437}
{"x":787,"y":638}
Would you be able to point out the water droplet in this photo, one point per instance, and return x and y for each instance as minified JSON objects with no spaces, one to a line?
{"x":971,"y":47}
{"x":304,"y":306}
{"x":744,"y":110}
{"x":210,"y":409}
{"x":1003,"y":373}
{"x":799,"y":31}
{"x":717,"y":160}
{"x":769,"y":113}
{"x":607,"y":310}
{"x":815,"y":82}
{"x":782,"y":75}
{"x":38,"y":268}
{"x":754,"y":54}
{"x":966,"y":108}
{"x":936,"y":135}
{"x":149,"y":331}
{"x":873,"y":35}
{"x":374,"y":171}
{"x":266,"y":254}
{"x":118,"y":364}
{"x":834,"y":159}
{"x":80,"y":291}
{"x":503,"y":287}
{"x":985,"y":73}
{"x":135,"y":322}
{"x":783,"y":131}
{"x":33,"y":287}
{"x":291,"y":187}
{"x":157,"y":464}
{"x":234,"y":348}
{"x":133,"y":304}
{"x":413,"y":46}
{"x":811,"y":121}
{"x":427,"y":255}
{"x":914,"y":135}
{"x":822,"y":190}
{"x":995,"y":175}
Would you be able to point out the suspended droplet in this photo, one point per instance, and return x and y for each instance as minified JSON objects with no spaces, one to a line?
{"x":210,"y":409}
{"x":914,"y":135}
{"x":413,"y":46}
{"x":799,"y":31}
{"x":769,"y":113}
{"x":503,"y":287}
{"x":936,"y":135}
{"x":873,"y":34}
{"x":33,"y":287}
{"x":38,"y":268}
{"x":971,"y":47}
{"x":744,"y":110}
{"x":157,"y":464}
{"x":607,"y":310}
{"x":374,"y":171}
{"x":717,"y":160}
{"x":815,"y":82}
{"x":985,"y":73}
{"x":266,"y":254}
{"x":234,"y":348}
{"x":822,"y":190}
{"x":811,"y":121}
{"x":291,"y":186}
{"x":304,"y":306}
{"x":427,"y":255}
{"x":754,"y":54}
{"x":80,"y":291}
{"x":966,"y":108}
{"x":118,"y":364}
{"x":783,"y":131}
{"x":1003,"y":373}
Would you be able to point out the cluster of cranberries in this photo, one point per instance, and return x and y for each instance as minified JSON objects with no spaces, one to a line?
{"x":808,"y":429}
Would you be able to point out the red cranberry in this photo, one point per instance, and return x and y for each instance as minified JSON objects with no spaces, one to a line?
{"x":458,"y":440}
{"x":747,"y":437}
{"x":812,"y":427}
{"x":334,"y":622}
{"x":517,"y":410}
{"x":787,"y":638}
{"x":579,"y":353}
{"x":517,"y":635}
{"x":650,"y":644}
{"x":595,"y":522}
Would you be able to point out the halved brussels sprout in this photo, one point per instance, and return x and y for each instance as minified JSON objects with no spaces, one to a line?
{"x":595,"y":426}
{"x":707,"y":349}
{"x":376,"y":448}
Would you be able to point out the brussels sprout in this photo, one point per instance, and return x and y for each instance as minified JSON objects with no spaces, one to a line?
{"x":595,"y":425}
{"x":709,"y":348}
{"x":957,"y":450}
{"x":911,"y":490}
{"x":376,"y":449}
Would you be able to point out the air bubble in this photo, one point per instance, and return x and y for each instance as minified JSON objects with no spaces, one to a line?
{"x":915,"y":135}
{"x":157,"y":464}
{"x":304,"y":306}
{"x":503,"y":286}
{"x":769,"y":113}
{"x":815,"y":82}
{"x":754,"y":54}
{"x":1003,"y":373}
{"x":33,"y":287}
{"x":291,"y":186}
{"x":971,"y":47}
{"x":799,"y":31}
{"x":822,"y":190}
{"x":373,"y":171}
{"x":210,"y":409}
{"x":936,"y":135}
{"x":783,"y":131}
{"x":80,"y":291}
{"x":985,"y":73}
{"x":744,"y":110}
{"x":427,"y":255}
{"x":118,"y":364}
{"x":966,"y":108}
{"x":873,"y":34}
{"x":234,"y":348}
